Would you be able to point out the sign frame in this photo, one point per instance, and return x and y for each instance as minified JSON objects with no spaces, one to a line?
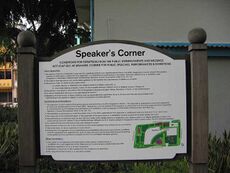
{"x":44,"y":59}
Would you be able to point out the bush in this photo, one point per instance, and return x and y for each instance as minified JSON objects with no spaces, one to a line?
{"x":219,"y":153}
{"x":8,"y":146}
{"x":8,"y":114}
{"x":47,"y":165}
{"x":8,"y":139}
{"x":170,"y":166}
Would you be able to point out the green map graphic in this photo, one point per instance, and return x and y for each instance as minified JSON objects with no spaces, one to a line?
{"x":160,"y":134}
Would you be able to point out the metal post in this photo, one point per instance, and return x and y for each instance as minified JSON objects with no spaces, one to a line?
{"x":26,"y":115}
{"x":199,"y":101}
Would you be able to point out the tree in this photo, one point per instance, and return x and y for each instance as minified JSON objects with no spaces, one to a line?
{"x":54,"y":22}
{"x":7,"y":50}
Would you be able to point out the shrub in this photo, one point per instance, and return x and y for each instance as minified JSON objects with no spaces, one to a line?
{"x":170,"y":166}
{"x":8,"y":114}
{"x":219,"y":153}
{"x":8,"y":146}
{"x":47,"y":165}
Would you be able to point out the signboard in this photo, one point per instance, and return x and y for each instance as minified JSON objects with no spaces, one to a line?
{"x":112,"y":101}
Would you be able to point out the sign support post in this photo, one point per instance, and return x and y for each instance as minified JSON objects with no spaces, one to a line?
{"x":26,"y":115}
{"x":199,"y":101}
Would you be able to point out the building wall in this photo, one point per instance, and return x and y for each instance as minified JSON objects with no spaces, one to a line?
{"x":8,"y":82}
{"x":219,"y":95}
{"x":5,"y":81}
{"x":170,"y":21}
{"x":160,"y":20}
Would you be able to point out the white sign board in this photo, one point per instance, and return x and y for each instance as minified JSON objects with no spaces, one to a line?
{"x":112,"y":101}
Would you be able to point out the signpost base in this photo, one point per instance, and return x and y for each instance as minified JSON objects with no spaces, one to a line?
{"x":198,"y":168}
{"x":27,"y":170}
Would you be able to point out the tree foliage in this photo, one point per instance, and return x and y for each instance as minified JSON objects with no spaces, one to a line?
{"x":54,"y":22}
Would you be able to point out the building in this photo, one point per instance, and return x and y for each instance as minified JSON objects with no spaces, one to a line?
{"x":165,"y":24}
{"x":8,"y":80}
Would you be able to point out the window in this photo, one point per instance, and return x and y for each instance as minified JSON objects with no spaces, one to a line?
{"x":8,"y":75}
{"x":2,"y":76}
